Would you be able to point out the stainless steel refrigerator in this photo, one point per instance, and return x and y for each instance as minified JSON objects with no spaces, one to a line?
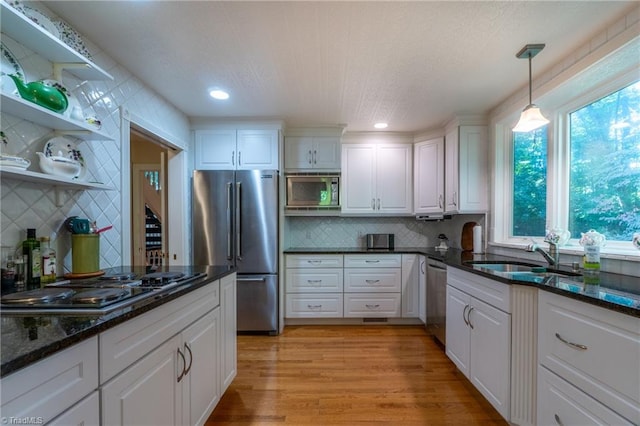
{"x":235,"y":222}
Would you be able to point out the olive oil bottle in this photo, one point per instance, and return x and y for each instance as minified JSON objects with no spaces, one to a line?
{"x":33,"y":260}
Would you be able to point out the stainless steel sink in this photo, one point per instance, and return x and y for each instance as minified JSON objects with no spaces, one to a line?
{"x":521,"y":271}
{"x":504,"y":266}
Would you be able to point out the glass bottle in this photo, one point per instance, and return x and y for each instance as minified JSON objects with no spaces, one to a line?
{"x":20,"y":273}
{"x":33,"y":260}
{"x":8,"y":276}
{"x":48,"y":262}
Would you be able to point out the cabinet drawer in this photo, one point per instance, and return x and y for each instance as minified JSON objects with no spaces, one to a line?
{"x":561,"y":403}
{"x":50,"y":386}
{"x":605,"y":365}
{"x":314,"y":261}
{"x":376,"y":280}
{"x":328,"y":280}
{"x":128,"y":342}
{"x":373,"y":261}
{"x":358,"y":305}
{"x":489,"y":291}
{"x":327,"y":305}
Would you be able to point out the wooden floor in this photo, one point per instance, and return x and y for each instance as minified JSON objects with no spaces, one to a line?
{"x":349,"y":375}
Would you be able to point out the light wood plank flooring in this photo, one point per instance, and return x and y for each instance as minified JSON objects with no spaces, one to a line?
{"x":349,"y":375}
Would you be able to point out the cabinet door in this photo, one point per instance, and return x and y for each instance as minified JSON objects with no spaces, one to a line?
{"x":451,"y":171}
{"x":490,"y":354}
{"x":457,"y":331}
{"x":394,"y":179}
{"x":148,"y":393}
{"x":472,"y":169}
{"x":410,"y":286}
{"x":85,"y":412}
{"x":201,"y":383}
{"x":298,"y":152}
{"x":215,"y":149}
{"x":358,"y":178}
{"x":228,"y":322}
{"x":326,"y":153}
{"x":428,"y":183}
{"x":257,"y":149}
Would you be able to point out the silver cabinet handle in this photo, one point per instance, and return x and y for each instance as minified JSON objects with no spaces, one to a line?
{"x":309,"y":157}
{"x":372,"y":261}
{"x":464,"y":314}
{"x":314,"y":262}
{"x":229,"y":254}
{"x":440,"y":200}
{"x":373,"y":204}
{"x":376,"y":306}
{"x":573,"y":345}
{"x":233,"y":158}
{"x":184,"y":364}
{"x":422,"y":267}
{"x":469,"y":316}
{"x":314,"y":157}
{"x":314,"y":281}
{"x":239,"y":158}
{"x":558,"y":421}
{"x":372,"y":281}
{"x":314,"y":306}
{"x":454,"y":199}
{"x":238,"y":222}
{"x":190,"y":358}
{"x":378,"y":203}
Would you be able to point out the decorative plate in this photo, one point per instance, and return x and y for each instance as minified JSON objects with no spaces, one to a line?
{"x":15,"y":162}
{"x":37,"y":17}
{"x":63,"y":147}
{"x":71,"y":38}
{"x":10,"y":65}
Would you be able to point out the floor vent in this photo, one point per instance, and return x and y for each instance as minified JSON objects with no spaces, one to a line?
{"x":374,"y":320}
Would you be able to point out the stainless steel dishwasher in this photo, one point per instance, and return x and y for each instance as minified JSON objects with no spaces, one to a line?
{"x":436,"y":299}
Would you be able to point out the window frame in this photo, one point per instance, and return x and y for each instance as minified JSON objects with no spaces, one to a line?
{"x":558,"y":171}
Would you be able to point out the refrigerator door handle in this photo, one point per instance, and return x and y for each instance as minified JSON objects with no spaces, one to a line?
{"x":229,"y":254}
{"x":238,"y":223}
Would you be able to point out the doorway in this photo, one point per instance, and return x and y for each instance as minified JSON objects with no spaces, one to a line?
{"x":149,"y":216}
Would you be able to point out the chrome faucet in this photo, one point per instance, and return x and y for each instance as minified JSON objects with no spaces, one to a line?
{"x":552,"y":256}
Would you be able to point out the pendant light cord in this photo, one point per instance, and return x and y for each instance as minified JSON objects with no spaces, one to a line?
{"x":530,"y":97}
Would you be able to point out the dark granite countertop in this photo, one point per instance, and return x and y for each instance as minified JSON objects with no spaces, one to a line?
{"x":27,"y":339}
{"x":620,"y":293}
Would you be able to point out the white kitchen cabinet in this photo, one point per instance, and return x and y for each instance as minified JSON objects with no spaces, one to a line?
{"x":148,"y":392}
{"x":311,"y":153}
{"x":85,"y":412}
{"x":314,"y":286}
{"x":229,"y":344}
{"x":412,"y":296}
{"x":560,"y":403}
{"x":50,"y":386}
{"x":478,"y":337}
{"x":377,"y":179}
{"x":466,"y":174}
{"x":428,"y":176}
{"x":236,"y":149}
{"x":373,"y":285}
{"x":593,"y":349}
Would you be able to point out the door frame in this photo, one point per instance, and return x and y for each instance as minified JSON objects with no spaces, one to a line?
{"x":178,"y":194}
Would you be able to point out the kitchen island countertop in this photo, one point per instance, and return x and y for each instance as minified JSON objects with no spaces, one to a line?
{"x":620,"y":293}
{"x":27,"y":339}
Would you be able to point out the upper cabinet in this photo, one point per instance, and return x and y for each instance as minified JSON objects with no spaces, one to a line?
{"x":236,"y":149}
{"x":428,"y":176}
{"x":466,"y":175}
{"x":303,"y":153}
{"x":377,"y":179}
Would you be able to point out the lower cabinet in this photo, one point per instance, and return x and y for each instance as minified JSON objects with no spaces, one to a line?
{"x":85,"y":412}
{"x":478,"y":337}
{"x":589,"y":357}
{"x":177,"y":383}
{"x":413,"y":286}
{"x":229,"y":345}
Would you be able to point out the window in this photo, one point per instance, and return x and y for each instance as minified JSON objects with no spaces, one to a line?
{"x":529,"y":183}
{"x":604,"y":182}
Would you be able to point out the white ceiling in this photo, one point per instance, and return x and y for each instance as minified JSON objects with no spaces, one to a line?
{"x":413,"y":64}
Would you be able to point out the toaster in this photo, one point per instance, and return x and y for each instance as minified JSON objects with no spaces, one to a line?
{"x":380,"y":241}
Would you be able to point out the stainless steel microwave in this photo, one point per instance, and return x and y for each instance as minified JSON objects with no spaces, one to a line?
{"x":313,"y":191}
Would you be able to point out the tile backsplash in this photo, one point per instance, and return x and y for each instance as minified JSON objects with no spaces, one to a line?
{"x":35,"y":205}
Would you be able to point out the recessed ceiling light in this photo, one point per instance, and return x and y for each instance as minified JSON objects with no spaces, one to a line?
{"x":219,"y":94}
{"x":380,"y":125}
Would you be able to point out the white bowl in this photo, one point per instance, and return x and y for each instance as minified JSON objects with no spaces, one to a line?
{"x":60,"y":166}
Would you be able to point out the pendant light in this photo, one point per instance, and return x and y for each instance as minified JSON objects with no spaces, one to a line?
{"x":531,"y":117}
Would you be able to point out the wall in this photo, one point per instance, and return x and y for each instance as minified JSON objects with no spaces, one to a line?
{"x":26,"y":205}
{"x":347,"y":232}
